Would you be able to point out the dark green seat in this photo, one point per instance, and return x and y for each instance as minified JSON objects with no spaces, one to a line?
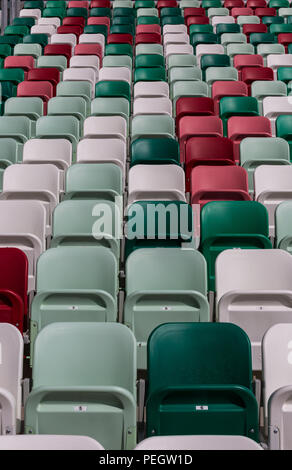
{"x":34,"y":4}
{"x":211,"y":4}
{"x":17,"y":30}
{"x":231,"y":224}
{"x":213,"y":60}
{"x":145,"y":230}
{"x":150,"y":74}
{"x":223,"y":28}
{"x":12,"y":75}
{"x":8,"y":90}
{"x":161,"y":150}
{"x":262,"y":38}
{"x":56,"y":4}
{"x":284,"y":129}
{"x":5,"y":50}
{"x":149,"y":20}
{"x":290,"y":48}
{"x":284,"y":74}
{"x":79,"y":12}
{"x":279,"y":4}
{"x":96,"y":29}
{"x":269,"y":20}
{"x":124,"y":11}
{"x":149,"y":60}
{"x":280,"y":28}
{"x":200,"y":28}
{"x":171,"y":20}
{"x":170,"y":12}
{"x":41,"y":39}
{"x":200,"y":381}
{"x":119,"y":49}
{"x":122,"y":29}
{"x":237,"y":106}
{"x":203,"y":38}
{"x":112,"y":88}
{"x":289,"y":19}
{"x":54,"y":12}
{"x":11,"y":40}
{"x":100,"y":12}
{"x":123,"y":20}
{"x":144,"y":4}
{"x":24,"y":21}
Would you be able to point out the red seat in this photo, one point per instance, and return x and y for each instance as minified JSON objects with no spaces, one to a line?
{"x":148,"y":28}
{"x":70,"y":29}
{"x":235,"y":12}
{"x":74,"y":21}
{"x":215,"y":151}
{"x":233,"y":4}
{"x":251,"y":74}
{"x":193,"y":106}
{"x":25,"y":62}
{"x":256,"y":4}
{"x":166,"y":4}
{"x":247,"y":60}
{"x":265,"y":12}
{"x":42,"y":89}
{"x":247,"y":29}
{"x":194,"y":12}
{"x":192,"y":126}
{"x":79,"y":4}
{"x":49,"y":74}
{"x":226,"y":88}
{"x":120,"y":38}
{"x":89,"y":49}
{"x":148,"y":38}
{"x":218,"y":183}
{"x":100,"y":20}
{"x":196,"y":20}
{"x":285,"y":39}
{"x":239,"y":127}
{"x":13,"y":286}
{"x":59,"y":49}
{"x":100,"y":4}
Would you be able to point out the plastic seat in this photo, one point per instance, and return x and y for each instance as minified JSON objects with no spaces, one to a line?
{"x":237,"y":106}
{"x":115,"y":73}
{"x":214,"y":74}
{"x":16,"y":127}
{"x":52,"y":347}
{"x":285,"y":39}
{"x":22,"y":62}
{"x":220,"y":89}
{"x":31,"y":13}
{"x":51,"y":442}
{"x":193,"y":106}
{"x":226,"y":27}
{"x":41,"y":39}
{"x":242,"y":11}
{"x":251,"y":74}
{"x":228,"y":381}
{"x":83,"y":61}
{"x":167,"y":274}
{"x":113,"y":88}
{"x":59,"y":49}
{"x":188,"y":88}
{"x":102,"y":150}
{"x":152,"y":106}
{"x":283,"y":226}
{"x":262,"y":89}
{"x":231,"y":224}
{"x":44,"y":74}
{"x":10,"y":152}
{"x":120,"y":49}
{"x":111,"y":106}
{"x":233,"y":49}
{"x":81,"y":74}
{"x":273,"y":107}
{"x":183,"y":74}
{"x":284,"y":74}
{"x":74,"y":21}
{"x":72,"y":106}
{"x":106,"y":126}
{"x":254,"y":297}
{"x":48,"y":29}
{"x":149,"y":74}
{"x":43,"y":89}
{"x":181,"y":60}
{"x":252,"y":28}
{"x":213,"y":60}
{"x":149,"y":60}
{"x":23,"y":226}
{"x":232,"y":38}
{"x":62,"y":127}
{"x":241,"y":61}
{"x":197,"y":442}
{"x":154,"y":125}
{"x":239,"y":127}
{"x":11,"y":375}
{"x":207,"y":151}
{"x":156,"y":151}
{"x":118,"y":61}
{"x":222,"y":183}
{"x":283,"y":128}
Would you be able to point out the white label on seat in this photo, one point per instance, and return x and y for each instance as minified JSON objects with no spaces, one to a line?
{"x":80,"y":408}
{"x":201,"y":408}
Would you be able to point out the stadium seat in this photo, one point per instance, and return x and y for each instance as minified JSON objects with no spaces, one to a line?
{"x":156,"y":151}
{"x":261,"y":89}
{"x":152,"y":125}
{"x":57,"y":442}
{"x":102,"y":150}
{"x":196,"y":442}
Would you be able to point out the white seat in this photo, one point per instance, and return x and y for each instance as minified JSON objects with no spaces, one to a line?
{"x":178,"y":38}
{"x":156,"y":182}
{"x":248,"y":19}
{"x":277,"y":375}
{"x":254,"y":291}
{"x":274,"y":61}
{"x":30,"y":12}
{"x":93,"y":39}
{"x":148,"y":89}
{"x":231,"y":38}
{"x":55,"y":21}
{"x":260,"y":89}
{"x":202,"y":49}
{"x":86,"y":74}
{"x":48,"y":442}
{"x":115,"y":73}
{"x":160,"y":105}
{"x":146,"y":11}
{"x":285,"y":12}
{"x":53,"y":151}
{"x":11,"y":363}
{"x":33,"y":182}
{"x":274,"y":106}
{"x":48,"y":29}
{"x":222,"y":19}
{"x":23,"y":225}
{"x":86,"y":61}
{"x":103,"y":151}
{"x":273,"y":185}
{"x":267,"y":49}
{"x":174,"y":28}
{"x":197,"y":443}
{"x":177,"y":49}
{"x":105,"y":126}
{"x":64,"y":39}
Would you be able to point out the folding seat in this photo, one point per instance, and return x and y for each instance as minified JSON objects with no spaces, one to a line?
{"x":212,"y":183}
{"x":183,"y":74}
{"x":96,"y":29}
{"x":154,"y":125}
{"x":10,"y":40}
{"x":59,"y":13}
{"x":262,"y":38}
{"x":220,"y":89}
{"x":149,"y":74}
{"x":102,"y":150}
{"x":113,"y":88}
{"x":35,"y":183}
{"x":232,"y":38}
{"x":243,"y":20}
{"x":231,"y":224}
{"x":252,"y":74}
{"x":23,"y":226}
{"x":242,"y":11}
{"x":32,"y":107}
{"x":78,"y":4}
{"x":167,"y":183}
{"x":158,"y":224}
{"x":122,"y":29}
{"x":156,"y":151}
{"x":161,"y":105}
{"x":189,"y":4}
{"x":189,"y":88}
{"x":233,"y":4}
{"x":264,"y":13}
{"x":105,"y":127}
{"x":56,"y":4}
{"x":272,"y":186}
{"x":34,"y":4}
{"x":279,"y":4}
{"x":214,"y":74}
{"x":237,"y":106}
{"x":256,"y":4}
{"x":62,"y":127}
{"x":275,"y":61}
{"x":285,"y":12}
{"x":213,"y":60}
{"x":76,"y":88}
{"x":24,"y":21}
{"x":83,"y":61}
{"x":283,"y":128}
{"x":16,"y":127}
{"x":203,"y":38}
{"x":239,"y":127}
{"x":42,"y":89}
{"x":15,"y":76}
{"x":158,"y":276}
{"x":203,"y":49}
{"x":172,"y":38}
{"x":148,"y":89}
{"x":149,"y":60}
{"x":256,"y":296}
{"x":275,"y":106}
{"x":151,"y":38}
{"x":59,"y":49}
{"x":11,"y":375}
{"x":93,"y":39}
{"x":64,"y":39}
{"x":111,"y":106}
{"x":197,"y":20}
{"x":101,"y":4}
{"x":193,"y":106}
{"x":147,"y":12}
{"x":115,"y":393}
{"x":51,"y":442}
{"x":156,"y":48}
{"x":22,"y":62}
{"x":16,"y":30}
{"x":5,"y":50}
{"x":70,"y":29}
{"x":256,"y":151}
{"x":94,"y":181}
{"x":181,"y":60}
{"x":219,"y":373}
{"x":201,"y":28}
{"x":34,"y":50}
{"x":89,"y":49}
{"x":62,"y":273}
{"x":266,"y":49}
{"x":284,"y":74}
{"x":83,"y":12}
{"x":81,"y":74}
{"x":283,"y":228}
{"x":97,"y":21}
{"x":10,"y":152}
{"x":99,"y":12}
{"x":207,"y":4}
{"x":51,"y":75}
{"x":262,"y":89}
{"x":251,"y":28}
{"x":48,"y":29}
{"x":215,"y":12}
{"x":233,"y":49}
{"x":190,"y":12}
{"x":74,"y":21}
{"x":41,"y":39}
{"x":285,"y":39}
{"x":151,"y":28}
{"x":65,"y":105}
{"x":192,"y":442}
{"x":31,"y":13}
{"x":280,"y":28}
{"x":226,"y":27}
{"x":207,"y":151}
{"x":197,"y":126}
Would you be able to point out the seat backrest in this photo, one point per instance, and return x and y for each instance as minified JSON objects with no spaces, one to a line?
{"x":85,"y":178}
{"x":48,"y":442}
{"x":36,"y":150}
{"x":197,"y":442}
{"x":14,"y":271}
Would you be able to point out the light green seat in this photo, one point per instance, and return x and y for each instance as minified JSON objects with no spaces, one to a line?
{"x":32,"y":107}
{"x":62,"y":127}
{"x":76,"y":88}
{"x":148,"y":20}
{"x":214,"y":74}
{"x":17,"y":127}
{"x":248,"y":19}
{"x":178,"y":74}
{"x":217,"y":12}
{"x":94,"y":181}
{"x":81,"y":280}
{"x":74,"y":392}
{"x":256,"y":151}
{"x":98,"y":223}
{"x":111,"y":106}
{"x":68,"y":105}
{"x":231,"y":38}
{"x":147,"y":12}
{"x":149,"y":49}
{"x":57,"y":61}
{"x":10,"y":153}
{"x":171,"y":287}
{"x":28,"y":49}
{"x":262,"y":88}
{"x":189,"y":4}
{"x":117,"y":61}
{"x":239,"y":48}
{"x":181,"y":60}
{"x":266,"y":49}
{"x":188,"y":88}
{"x":283,"y":223}
{"x":152,"y":125}
{"x":122,"y":4}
